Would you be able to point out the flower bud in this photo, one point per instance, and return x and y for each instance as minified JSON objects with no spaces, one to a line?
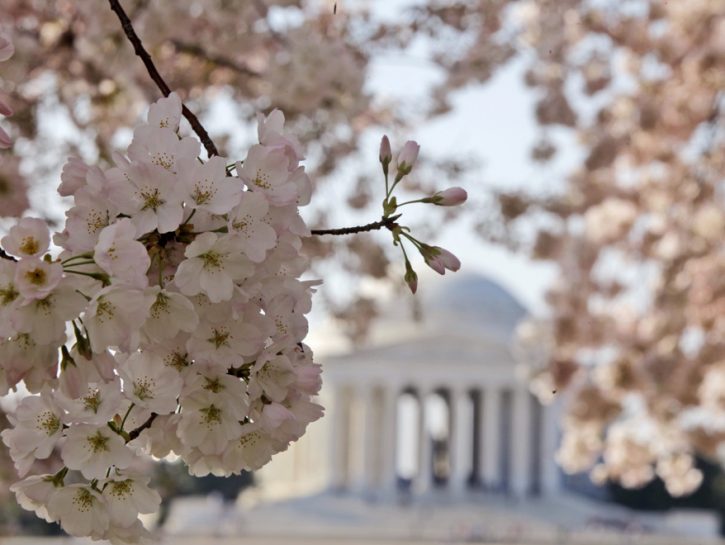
{"x":453,"y":196}
{"x":439,"y":259}
{"x":386,"y":155}
{"x":450,"y":261}
{"x":410,"y":277}
{"x":406,"y":158}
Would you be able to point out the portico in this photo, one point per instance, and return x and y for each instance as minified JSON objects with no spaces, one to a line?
{"x":437,"y":406}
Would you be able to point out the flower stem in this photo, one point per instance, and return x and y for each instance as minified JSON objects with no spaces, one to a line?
{"x":388,"y":223}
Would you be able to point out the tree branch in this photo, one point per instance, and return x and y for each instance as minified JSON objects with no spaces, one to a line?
{"x":3,"y":255}
{"x":156,"y":77}
{"x":224,"y":62}
{"x":133,"y":434}
{"x":388,"y":223}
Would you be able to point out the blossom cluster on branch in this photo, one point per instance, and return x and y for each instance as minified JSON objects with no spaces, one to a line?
{"x":636,"y":319}
{"x":179,"y":286}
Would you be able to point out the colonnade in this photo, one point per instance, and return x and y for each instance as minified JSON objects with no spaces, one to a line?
{"x":498,"y":438}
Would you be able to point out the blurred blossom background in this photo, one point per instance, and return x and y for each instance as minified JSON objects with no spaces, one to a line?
{"x":568,"y":384}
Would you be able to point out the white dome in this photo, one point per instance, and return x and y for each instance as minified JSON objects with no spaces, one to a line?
{"x":474,"y":301}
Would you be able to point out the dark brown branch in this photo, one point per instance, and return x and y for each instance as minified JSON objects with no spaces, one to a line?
{"x":388,"y":223}
{"x":225,"y":62}
{"x":133,"y":434}
{"x":3,"y":255}
{"x":141,"y":52}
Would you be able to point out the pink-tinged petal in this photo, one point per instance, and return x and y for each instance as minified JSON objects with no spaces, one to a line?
{"x":453,"y":196}
{"x":5,"y":141}
{"x":218,"y":287}
{"x":187,"y":276}
{"x":5,"y":109}
{"x":6,"y":49}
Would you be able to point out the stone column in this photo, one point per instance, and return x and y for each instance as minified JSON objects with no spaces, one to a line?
{"x":550,"y":475}
{"x":389,"y":440}
{"x":461,"y":439}
{"x":338,"y":439}
{"x":490,"y":449}
{"x":521,"y":442}
{"x":367,"y":438}
{"x":425,"y":465}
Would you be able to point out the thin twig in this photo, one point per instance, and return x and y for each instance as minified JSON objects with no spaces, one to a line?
{"x":141,"y":52}
{"x":133,"y":434}
{"x":225,"y":62}
{"x":388,"y":223}
{"x":3,"y":255}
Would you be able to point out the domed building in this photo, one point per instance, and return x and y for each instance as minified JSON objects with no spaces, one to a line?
{"x":429,"y":405}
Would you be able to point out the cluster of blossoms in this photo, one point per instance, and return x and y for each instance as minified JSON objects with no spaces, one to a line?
{"x":171,"y":322}
{"x":636,"y":317}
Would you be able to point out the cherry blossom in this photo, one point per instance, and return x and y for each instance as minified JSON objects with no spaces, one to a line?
{"x":28,"y":238}
{"x":149,"y":383}
{"x":213,"y":264}
{"x":35,"y":279}
{"x":92,"y":450}
{"x":121,"y":256}
{"x":37,"y":429}
{"x":209,"y":188}
{"x":81,"y":510}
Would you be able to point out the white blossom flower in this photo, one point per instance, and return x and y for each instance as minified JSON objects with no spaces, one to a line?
{"x":251,"y":450}
{"x":208,"y":188}
{"x":121,"y":255}
{"x":114,"y":315}
{"x":97,"y":401}
{"x":201,"y":464}
{"x":29,"y":237}
{"x":35,"y":278}
{"x":33,"y":494}
{"x":270,"y":131}
{"x":38,"y":426}
{"x":272,"y":377}
{"x":214,"y":263}
{"x":226,"y":343}
{"x":73,"y":176}
{"x":207,"y":425}
{"x":266,"y":170}
{"x":45,"y":318}
{"x":162,"y":147}
{"x":149,"y":383}
{"x":81,"y":511}
{"x":173,"y":352}
{"x":146,"y":192}
{"x":166,"y":112}
{"x":246,"y":223}
{"x":127,"y":496}
{"x":93,"y":449}
{"x":91,"y":213}
{"x":208,"y":384}
{"x":25,"y":359}
{"x":170,"y":313}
